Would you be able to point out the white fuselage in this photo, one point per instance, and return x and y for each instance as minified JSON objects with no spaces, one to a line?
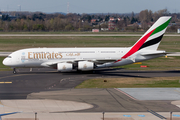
{"x":42,"y":57}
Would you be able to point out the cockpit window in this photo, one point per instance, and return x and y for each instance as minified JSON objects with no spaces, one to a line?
{"x":9,"y":57}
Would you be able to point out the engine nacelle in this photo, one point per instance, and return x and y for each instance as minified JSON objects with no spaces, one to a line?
{"x":64,"y":67}
{"x":85,"y":65}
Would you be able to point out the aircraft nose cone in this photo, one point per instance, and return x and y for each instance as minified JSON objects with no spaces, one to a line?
{"x":5,"y":62}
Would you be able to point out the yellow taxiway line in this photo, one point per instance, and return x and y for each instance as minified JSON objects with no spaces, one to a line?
{"x":5,"y":82}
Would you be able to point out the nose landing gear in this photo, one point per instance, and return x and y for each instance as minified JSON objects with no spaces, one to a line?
{"x":14,"y":71}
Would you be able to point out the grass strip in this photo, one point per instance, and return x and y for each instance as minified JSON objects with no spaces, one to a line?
{"x":131,"y":82}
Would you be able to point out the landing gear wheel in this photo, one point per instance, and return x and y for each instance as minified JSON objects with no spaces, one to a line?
{"x":14,"y":71}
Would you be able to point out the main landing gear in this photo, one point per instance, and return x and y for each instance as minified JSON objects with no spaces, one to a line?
{"x":14,"y":71}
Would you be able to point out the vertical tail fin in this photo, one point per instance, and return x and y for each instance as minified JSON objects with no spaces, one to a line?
{"x":152,"y":38}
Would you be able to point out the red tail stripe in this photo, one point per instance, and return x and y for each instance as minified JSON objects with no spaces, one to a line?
{"x":136,"y":47}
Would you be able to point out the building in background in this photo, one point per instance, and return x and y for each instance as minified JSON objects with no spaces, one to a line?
{"x":111,"y":24}
{"x":95,"y":30}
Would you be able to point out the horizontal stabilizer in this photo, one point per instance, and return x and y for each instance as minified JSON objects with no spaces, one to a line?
{"x":155,"y":53}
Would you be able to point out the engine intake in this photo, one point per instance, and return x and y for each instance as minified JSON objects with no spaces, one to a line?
{"x":64,"y":67}
{"x":85,"y":65}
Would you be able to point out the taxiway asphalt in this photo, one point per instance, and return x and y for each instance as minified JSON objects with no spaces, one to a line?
{"x":49,"y":84}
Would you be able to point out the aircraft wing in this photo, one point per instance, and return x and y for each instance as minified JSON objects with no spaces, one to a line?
{"x":102,"y":61}
{"x":98,"y":61}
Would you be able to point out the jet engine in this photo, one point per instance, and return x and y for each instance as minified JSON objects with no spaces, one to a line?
{"x":85,"y":65}
{"x":64,"y":67}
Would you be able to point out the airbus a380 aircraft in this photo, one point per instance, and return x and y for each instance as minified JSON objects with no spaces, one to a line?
{"x":68,"y":59}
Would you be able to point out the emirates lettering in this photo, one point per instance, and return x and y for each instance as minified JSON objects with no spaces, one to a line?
{"x":43,"y":55}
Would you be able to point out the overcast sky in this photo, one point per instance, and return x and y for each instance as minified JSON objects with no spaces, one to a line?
{"x":90,"y":6}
